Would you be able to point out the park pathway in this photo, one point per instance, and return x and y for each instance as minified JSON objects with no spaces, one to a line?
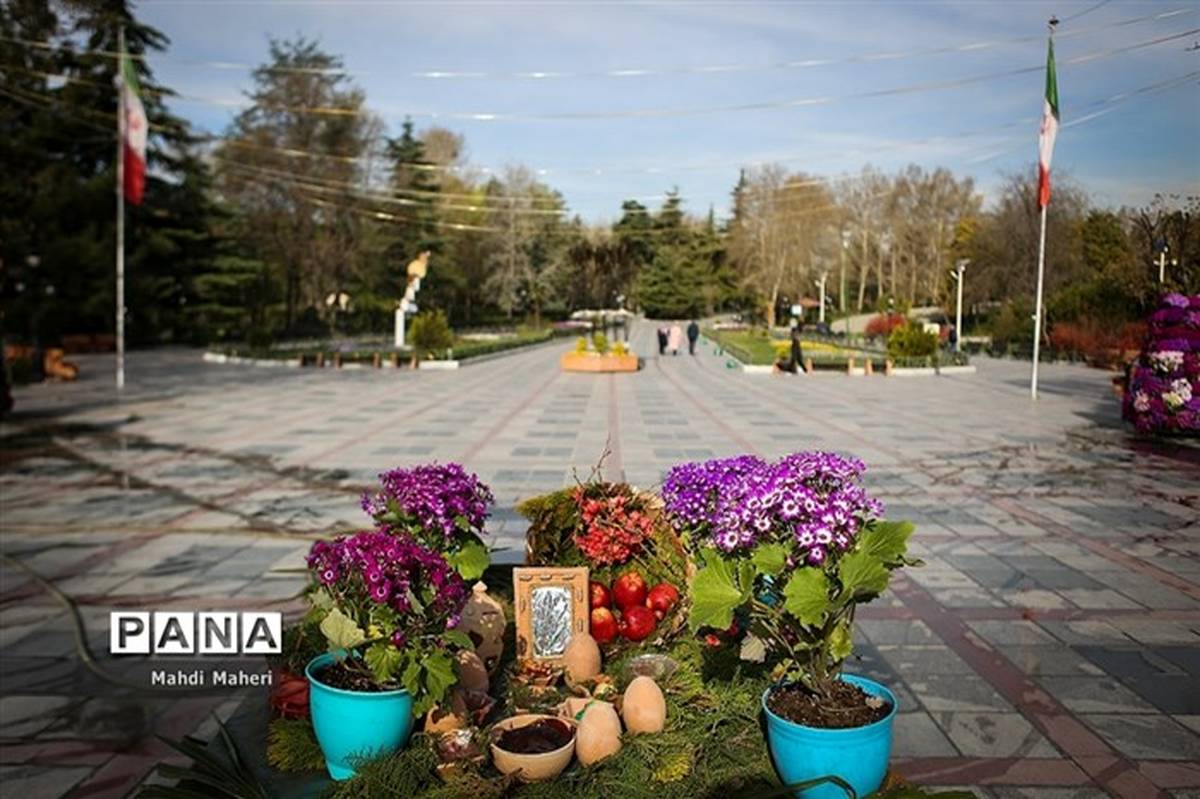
{"x":1049,"y":647}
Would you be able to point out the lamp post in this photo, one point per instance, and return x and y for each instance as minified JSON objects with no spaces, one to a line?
{"x":959,"y":268}
{"x":821,"y":285}
{"x":842,"y":291}
{"x":1162,"y":263}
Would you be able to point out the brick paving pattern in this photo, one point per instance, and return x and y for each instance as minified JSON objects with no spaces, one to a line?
{"x":1049,"y":648}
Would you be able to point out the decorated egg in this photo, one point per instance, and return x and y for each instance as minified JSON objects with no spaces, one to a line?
{"x":599,"y":733}
{"x":483,"y":620}
{"x":644,"y":708}
{"x":581,"y":659}
{"x":472,"y":674}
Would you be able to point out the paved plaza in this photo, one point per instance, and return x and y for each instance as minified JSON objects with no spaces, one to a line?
{"x":1049,"y":648}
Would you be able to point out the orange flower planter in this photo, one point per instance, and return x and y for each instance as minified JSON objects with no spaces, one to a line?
{"x":591,"y":362}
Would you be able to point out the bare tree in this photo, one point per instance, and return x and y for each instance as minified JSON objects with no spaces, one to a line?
{"x":784,"y":219}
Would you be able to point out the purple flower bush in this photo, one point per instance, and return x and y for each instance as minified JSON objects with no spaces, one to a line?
{"x":1163,"y":393}
{"x":810,"y":499}
{"x":442,"y":505}
{"x":432,"y":497}
{"x":395,"y":602}
{"x":391,"y":598}
{"x":790,"y":547}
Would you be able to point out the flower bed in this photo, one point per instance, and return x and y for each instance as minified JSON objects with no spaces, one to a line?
{"x":1163,"y":391}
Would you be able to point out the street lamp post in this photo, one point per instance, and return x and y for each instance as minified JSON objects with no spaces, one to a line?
{"x":821,"y":285}
{"x":842,"y":289}
{"x":1162,"y":264}
{"x":959,"y":268}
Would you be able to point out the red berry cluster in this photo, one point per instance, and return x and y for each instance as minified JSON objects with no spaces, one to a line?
{"x":614,"y":527}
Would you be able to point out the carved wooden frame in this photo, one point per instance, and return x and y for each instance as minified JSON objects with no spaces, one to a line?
{"x":525,"y":580}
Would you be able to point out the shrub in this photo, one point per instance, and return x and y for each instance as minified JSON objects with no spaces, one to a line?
{"x":600,"y":343}
{"x":430,"y":333}
{"x":883,"y":324}
{"x":1012,"y":326}
{"x":910,"y":341}
{"x":1163,"y":395}
{"x":1095,"y":341}
{"x":581,"y":345}
{"x":620,"y":349}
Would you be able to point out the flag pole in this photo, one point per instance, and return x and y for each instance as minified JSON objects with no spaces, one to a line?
{"x":120,"y":209}
{"x":1037,"y":318}
{"x":1047,"y":134}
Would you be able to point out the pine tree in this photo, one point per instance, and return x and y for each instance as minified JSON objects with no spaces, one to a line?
{"x":57,"y":223}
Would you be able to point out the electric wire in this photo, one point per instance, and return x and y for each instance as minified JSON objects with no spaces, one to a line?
{"x":551,"y":73}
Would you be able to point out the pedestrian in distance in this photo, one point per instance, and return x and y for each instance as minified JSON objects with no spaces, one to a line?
{"x":693,"y":334}
{"x":662,"y":340}
{"x":675,"y":338}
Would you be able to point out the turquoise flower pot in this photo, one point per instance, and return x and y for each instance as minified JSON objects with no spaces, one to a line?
{"x":355,"y":724}
{"x":859,"y":755}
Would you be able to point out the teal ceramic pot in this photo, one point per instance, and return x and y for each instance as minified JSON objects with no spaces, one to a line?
{"x":355,"y":724}
{"x":859,"y":755}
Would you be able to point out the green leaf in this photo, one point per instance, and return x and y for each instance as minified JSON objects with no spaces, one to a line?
{"x":806,"y":596}
{"x":410,"y":677}
{"x":863,"y":575}
{"x":841,"y":643}
{"x":439,"y":677}
{"x":384,"y":660}
{"x":341,"y":631}
{"x":715,"y":594}
{"x":887,"y":541}
{"x":459,"y":639}
{"x":769,"y":559}
{"x":471,"y":561}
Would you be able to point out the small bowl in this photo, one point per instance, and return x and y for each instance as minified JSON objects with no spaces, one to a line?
{"x":656,"y":667}
{"x":532,"y":768}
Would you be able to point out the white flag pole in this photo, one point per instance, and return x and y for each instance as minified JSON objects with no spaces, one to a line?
{"x":1037,"y":318}
{"x":1051,"y":85}
{"x":120,"y":210}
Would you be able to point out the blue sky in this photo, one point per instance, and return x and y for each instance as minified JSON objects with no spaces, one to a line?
{"x":1148,"y":143}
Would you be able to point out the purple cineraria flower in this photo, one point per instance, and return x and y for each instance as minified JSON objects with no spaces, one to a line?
{"x":439,"y":498}
{"x":812,"y":499}
{"x":1176,"y":300}
{"x":385,"y":569}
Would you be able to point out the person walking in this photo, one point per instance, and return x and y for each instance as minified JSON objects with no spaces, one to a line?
{"x":693,"y":334}
{"x":662,"y":340}
{"x":675,"y":338}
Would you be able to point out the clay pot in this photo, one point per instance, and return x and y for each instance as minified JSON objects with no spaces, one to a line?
{"x":531,"y":768}
{"x":483,"y":620}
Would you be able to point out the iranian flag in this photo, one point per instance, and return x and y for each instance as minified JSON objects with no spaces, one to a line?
{"x":135,"y":128}
{"x":1048,"y":131}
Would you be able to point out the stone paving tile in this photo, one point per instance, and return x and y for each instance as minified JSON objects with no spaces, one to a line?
{"x":31,"y":781}
{"x":994,"y":735}
{"x":917,"y":735}
{"x":1049,"y":659}
{"x":1153,"y":737}
{"x":1043,"y":792}
{"x":955,"y":692}
{"x":1094,"y":695}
